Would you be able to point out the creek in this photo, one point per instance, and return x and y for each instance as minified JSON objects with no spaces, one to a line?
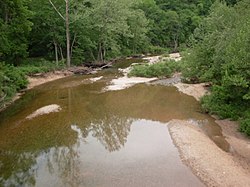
{"x":99,"y":137}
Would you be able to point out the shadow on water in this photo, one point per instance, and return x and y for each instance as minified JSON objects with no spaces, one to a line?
{"x":113,"y":138}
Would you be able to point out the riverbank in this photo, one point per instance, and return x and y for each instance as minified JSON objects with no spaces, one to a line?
{"x":203,"y":156}
{"x":211,"y":164}
{"x":40,"y":79}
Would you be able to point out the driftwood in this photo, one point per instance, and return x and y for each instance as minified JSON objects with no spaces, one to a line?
{"x":80,"y":70}
{"x":109,"y":65}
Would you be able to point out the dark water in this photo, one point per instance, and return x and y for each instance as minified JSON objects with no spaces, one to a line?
{"x":114,"y":138}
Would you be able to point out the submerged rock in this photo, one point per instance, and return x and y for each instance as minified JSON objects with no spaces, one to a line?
{"x":44,"y":110}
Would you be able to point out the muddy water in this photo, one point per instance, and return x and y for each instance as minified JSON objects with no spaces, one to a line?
{"x":99,"y":138}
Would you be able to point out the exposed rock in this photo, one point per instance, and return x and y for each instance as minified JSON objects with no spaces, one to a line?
{"x":126,"y":82}
{"x":175,"y":56}
{"x":96,"y":79}
{"x":153,"y":59}
{"x":195,"y":90}
{"x":176,"y":78}
{"x":44,"y":110}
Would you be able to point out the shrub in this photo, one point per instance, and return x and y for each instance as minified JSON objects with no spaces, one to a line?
{"x":39,"y":65}
{"x":161,"y":69}
{"x":245,"y":122}
{"x":12,"y":80}
{"x":245,"y":126}
{"x":158,"y":50}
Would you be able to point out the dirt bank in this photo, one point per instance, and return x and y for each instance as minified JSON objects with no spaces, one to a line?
{"x":47,"y":77}
{"x":212,"y":165}
{"x":239,"y":142}
{"x":37,"y":80}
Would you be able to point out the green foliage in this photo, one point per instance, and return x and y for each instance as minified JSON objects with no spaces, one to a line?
{"x":161,"y":69}
{"x":220,"y":55}
{"x":245,"y":126}
{"x":14,"y":30}
{"x":104,"y":29}
{"x":12,"y":80}
{"x":39,"y":65}
{"x":99,"y":30}
{"x":173,"y":21}
{"x":157,"y":50}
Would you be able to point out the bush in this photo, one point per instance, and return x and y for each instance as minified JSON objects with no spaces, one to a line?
{"x":220,"y":55}
{"x":12,"y":80}
{"x":245,"y":122}
{"x":158,"y":50}
{"x":39,"y":65}
{"x":245,"y":126}
{"x":161,"y":69}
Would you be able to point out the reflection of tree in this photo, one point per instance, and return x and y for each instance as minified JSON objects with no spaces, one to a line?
{"x":112,"y":131}
{"x":16,"y":169}
{"x":21,"y":169}
{"x":64,"y":163}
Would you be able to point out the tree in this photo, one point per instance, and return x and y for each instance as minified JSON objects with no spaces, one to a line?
{"x":47,"y":33}
{"x":14,"y":30}
{"x":66,"y":19}
{"x":111,"y":25}
{"x":221,"y":56}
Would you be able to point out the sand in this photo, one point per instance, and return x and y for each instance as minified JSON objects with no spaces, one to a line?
{"x":211,"y":164}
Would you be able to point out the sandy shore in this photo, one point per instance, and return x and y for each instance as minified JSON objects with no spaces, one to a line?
{"x":195,"y":90}
{"x":47,"y":77}
{"x":239,"y":142}
{"x":38,"y":80}
{"x":212,"y":165}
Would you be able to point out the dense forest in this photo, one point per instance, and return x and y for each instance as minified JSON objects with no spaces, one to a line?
{"x":41,"y":35}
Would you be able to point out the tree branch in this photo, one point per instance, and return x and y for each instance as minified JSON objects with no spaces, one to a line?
{"x":57,"y":10}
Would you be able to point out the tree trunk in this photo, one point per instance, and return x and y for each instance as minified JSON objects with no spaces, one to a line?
{"x":72,"y":45}
{"x":100,"y":55}
{"x":67,"y":33}
{"x":175,"y":43}
{"x":61,"y":53}
{"x":56,"y":52}
{"x":92,"y":55}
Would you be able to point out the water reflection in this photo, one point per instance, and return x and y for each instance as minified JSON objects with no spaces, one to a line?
{"x":112,"y":132}
{"x":91,"y":135}
{"x":17,"y":169}
{"x":51,"y":151}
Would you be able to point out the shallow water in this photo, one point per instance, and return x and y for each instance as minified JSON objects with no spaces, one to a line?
{"x":99,"y":138}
